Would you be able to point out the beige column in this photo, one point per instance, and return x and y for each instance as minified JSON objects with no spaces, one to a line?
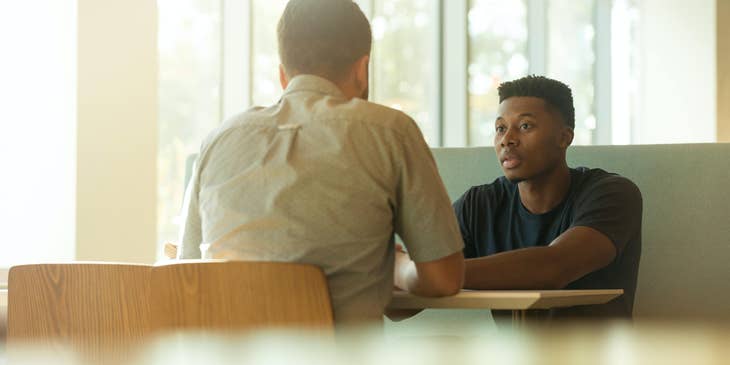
{"x":117,"y":130}
{"x":723,"y":70}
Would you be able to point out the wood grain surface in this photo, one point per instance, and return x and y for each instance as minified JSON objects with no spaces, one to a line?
{"x":103,"y":310}
{"x":240,"y":295}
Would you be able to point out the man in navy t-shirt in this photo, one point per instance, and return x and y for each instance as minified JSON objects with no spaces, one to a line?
{"x":544,"y":225}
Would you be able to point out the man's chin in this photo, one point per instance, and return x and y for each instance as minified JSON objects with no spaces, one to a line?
{"x":513,"y":178}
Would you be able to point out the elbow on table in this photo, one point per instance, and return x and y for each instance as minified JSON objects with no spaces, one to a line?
{"x":440,"y":278}
{"x":557,"y":283}
{"x":448,"y":290}
{"x":557,"y":280}
{"x":437,"y":292}
{"x":446,"y":286}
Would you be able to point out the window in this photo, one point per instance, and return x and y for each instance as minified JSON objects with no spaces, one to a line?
{"x":506,"y":39}
{"x":501,"y":34}
{"x":624,"y":70}
{"x":403,"y":31}
{"x":189,"y":44}
{"x":266,"y":88}
{"x":498,"y":53}
{"x":404,"y":63}
{"x":570,"y":58}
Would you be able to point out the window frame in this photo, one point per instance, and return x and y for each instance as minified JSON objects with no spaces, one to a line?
{"x":451,"y":102}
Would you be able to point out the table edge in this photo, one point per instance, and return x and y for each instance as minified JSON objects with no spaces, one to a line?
{"x":504,"y":299}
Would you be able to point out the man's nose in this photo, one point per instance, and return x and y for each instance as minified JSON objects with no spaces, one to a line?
{"x":509,"y":138}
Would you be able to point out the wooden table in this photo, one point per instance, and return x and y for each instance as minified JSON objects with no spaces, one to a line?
{"x":518,"y":301}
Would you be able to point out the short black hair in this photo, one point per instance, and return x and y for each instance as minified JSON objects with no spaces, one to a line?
{"x":555,"y":93}
{"x":322,"y":37}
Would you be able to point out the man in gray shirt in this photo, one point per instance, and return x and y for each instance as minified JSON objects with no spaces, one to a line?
{"x":326,"y":178}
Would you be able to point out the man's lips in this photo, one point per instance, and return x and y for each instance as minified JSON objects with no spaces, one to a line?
{"x":510,"y":161}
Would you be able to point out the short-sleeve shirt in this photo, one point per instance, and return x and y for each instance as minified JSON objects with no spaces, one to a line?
{"x":493,"y":219}
{"x":324,"y":180}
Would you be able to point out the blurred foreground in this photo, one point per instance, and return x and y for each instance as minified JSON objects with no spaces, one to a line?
{"x":619,"y":343}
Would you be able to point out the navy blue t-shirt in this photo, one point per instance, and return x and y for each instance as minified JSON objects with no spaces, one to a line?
{"x":493,"y":220}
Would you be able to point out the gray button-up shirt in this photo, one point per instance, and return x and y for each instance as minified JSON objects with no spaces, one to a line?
{"x":324,"y":180}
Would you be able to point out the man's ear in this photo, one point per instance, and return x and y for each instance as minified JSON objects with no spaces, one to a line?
{"x":282,"y":77}
{"x":566,"y":137}
{"x":361,"y":71}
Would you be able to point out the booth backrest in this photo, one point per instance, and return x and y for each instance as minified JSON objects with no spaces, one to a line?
{"x":685,"y":262}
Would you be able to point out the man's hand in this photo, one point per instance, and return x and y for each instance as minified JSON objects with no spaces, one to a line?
{"x":437,"y":278}
{"x":401,"y":260}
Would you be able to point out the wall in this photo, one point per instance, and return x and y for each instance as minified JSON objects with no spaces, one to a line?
{"x":678,"y":72}
{"x":37,"y":120}
{"x":117,"y":130}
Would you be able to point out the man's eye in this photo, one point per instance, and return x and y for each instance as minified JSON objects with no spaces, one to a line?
{"x":525,"y":126}
{"x":500,"y":129}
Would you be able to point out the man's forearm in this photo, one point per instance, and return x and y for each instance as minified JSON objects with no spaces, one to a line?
{"x":574,"y":254}
{"x":430,"y":279}
{"x":406,"y":278}
{"x":528,"y":269}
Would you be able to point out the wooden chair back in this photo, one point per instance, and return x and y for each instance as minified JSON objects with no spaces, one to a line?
{"x":240,"y":295}
{"x":90,"y":307}
{"x":109,"y":308}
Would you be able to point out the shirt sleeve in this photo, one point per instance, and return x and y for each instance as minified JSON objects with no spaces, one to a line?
{"x":191,"y":232}
{"x":463,"y":210}
{"x":612,"y":206}
{"x":424,"y":218}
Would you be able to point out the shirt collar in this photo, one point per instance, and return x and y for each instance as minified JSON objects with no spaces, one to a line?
{"x":313,"y":83}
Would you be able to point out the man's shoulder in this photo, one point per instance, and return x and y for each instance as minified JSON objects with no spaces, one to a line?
{"x":250,"y":117}
{"x":373,"y":114}
{"x":335,"y":112}
{"x":596,"y":180}
{"x":498,"y":189}
{"x":357,"y":111}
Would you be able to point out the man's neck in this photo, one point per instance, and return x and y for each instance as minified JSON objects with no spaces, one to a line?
{"x":544,"y":193}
